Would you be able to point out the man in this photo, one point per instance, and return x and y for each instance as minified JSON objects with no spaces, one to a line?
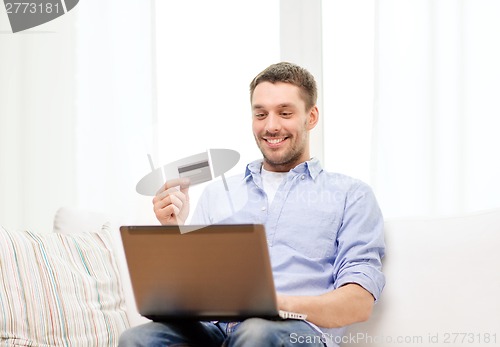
{"x":324,"y":230}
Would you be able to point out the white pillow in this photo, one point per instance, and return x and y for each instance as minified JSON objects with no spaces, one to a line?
{"x":69,"y":220}
{"x":59,"y":290}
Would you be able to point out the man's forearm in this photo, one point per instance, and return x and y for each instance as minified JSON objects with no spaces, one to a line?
{"x":343,"y":306}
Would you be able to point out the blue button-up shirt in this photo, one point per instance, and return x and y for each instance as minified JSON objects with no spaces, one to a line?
{"x":323,"y":229}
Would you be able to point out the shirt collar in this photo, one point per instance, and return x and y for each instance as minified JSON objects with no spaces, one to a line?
{"x":311,"y":167}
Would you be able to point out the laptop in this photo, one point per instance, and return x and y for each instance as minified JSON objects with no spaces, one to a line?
{"x":215,"y":272}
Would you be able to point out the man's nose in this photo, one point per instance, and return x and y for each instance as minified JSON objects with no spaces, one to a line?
{"x":273,"y":124}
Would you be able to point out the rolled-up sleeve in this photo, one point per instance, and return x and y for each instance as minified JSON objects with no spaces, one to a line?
{"x":360,"y":242}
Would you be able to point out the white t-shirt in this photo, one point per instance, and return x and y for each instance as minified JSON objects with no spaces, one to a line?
{"x":271,"y":181}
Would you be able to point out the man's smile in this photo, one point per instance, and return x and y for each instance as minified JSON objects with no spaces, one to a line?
{"x":275,"y":141}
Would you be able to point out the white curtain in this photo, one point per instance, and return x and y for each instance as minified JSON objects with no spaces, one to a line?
{"x":115,"y":106}
{"x":77,"y":114}
{"x":348,"y":86}
{"x":437,"y":110}
{"x":37,"y":92}
{"x":411,"y":101}
{"x":78,"y":100}
{"x":206,"y":55}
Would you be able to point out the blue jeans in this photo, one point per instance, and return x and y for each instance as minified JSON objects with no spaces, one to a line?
{"x":252,"y":332}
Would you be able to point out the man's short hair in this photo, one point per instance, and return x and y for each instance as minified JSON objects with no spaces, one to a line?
{"x":289,"y":73}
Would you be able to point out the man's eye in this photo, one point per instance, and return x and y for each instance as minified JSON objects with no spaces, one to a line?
{"x":260,"y":115}
{"x":286,"y":114}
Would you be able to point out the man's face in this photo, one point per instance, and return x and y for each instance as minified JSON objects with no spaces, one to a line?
{"x":281,"y":125}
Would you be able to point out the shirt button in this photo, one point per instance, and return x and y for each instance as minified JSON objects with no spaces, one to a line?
{"x":263,"y":208}
{"x":303,"y":177}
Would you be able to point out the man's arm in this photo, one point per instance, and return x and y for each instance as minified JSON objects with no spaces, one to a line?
{"x":348,"y":304}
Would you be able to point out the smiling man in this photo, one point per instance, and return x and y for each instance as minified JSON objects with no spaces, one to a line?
{"x":282,"y":118}
{"x":324,"y":230}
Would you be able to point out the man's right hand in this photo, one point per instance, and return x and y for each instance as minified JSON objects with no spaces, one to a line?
{"x":171,"y":202}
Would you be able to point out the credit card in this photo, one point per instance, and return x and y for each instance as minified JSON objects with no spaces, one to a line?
{"x":197,"y":172}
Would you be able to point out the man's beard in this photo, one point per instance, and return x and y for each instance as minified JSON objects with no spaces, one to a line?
{"x":291,"y":155}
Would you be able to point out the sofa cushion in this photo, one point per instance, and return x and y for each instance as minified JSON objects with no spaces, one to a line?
{"x":59,"y":290}
{"x":71,"y":220}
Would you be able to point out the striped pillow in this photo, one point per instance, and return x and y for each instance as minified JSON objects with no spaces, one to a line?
{"x":59,"y":290}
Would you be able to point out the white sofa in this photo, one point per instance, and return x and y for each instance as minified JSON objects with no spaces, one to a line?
{"x":69,"y":287}
{"x":443,"y":285}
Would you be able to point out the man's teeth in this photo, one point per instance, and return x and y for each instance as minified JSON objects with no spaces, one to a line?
{"x":275,"y":141}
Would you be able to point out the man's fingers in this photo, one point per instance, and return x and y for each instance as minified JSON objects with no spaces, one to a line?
{"x":171,"y":210}
{"x":182,"y":183}
{"x":175,"y":198}
{"x":171,"y":191}
{"x":168,"y":214}
{"x":186,"y":182}
{"x":171,"y":202}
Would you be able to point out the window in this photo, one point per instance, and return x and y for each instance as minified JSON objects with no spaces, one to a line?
{"x":207,"y":54}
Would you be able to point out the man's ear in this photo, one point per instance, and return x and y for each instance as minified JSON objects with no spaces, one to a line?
{"x":313,"y":118}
